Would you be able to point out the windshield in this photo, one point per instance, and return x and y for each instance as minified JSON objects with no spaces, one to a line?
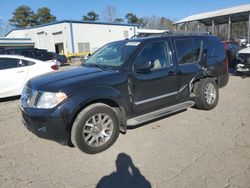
{"x":112,"y":55}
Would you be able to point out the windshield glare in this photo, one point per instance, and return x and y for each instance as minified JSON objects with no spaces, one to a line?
{"x":112,"y":55}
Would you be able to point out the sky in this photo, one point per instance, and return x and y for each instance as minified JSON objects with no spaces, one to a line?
{"x":75,"y":9}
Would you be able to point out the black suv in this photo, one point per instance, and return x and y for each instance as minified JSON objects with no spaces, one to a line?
{"x":125,"y":83}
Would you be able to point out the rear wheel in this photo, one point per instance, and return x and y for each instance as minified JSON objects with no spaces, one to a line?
{"x":207,"y":94}
{"x":95,"y":128}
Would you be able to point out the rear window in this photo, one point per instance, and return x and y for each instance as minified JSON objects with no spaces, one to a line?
{"x":215,"y":48}
{"x":233,"y":47}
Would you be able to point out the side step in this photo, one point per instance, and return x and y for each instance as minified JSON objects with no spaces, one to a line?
{"x":159,"y":113}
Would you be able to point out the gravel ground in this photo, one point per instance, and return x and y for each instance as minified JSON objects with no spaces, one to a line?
{"x":190,"y":149}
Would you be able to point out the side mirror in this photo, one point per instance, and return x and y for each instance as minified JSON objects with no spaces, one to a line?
{"x":144,"y":66}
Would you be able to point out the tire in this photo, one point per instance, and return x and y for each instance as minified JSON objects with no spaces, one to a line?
{"x":207,"y":93}
{"x":95,"y":129}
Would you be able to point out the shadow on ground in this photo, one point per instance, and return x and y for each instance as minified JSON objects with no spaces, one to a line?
{"x":126,"y":175}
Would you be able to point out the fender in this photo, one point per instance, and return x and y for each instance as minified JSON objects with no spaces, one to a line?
{"x":102,"y":93}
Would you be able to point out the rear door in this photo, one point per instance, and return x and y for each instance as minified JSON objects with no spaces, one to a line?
{"x":189,"y":55}
{"x":12,"y":76}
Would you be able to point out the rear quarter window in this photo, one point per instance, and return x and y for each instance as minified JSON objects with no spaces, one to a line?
{"x":215,"y":48}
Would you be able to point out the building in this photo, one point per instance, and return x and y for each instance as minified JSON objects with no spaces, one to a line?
{"x":215,"y":18}
{"x":67,"y":37}
{"x":6,"y":43}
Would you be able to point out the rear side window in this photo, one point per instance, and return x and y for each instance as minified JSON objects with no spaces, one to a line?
{"x":215,"y":48}
{"x":6,"y":63}
{"x":184,"y":49}
{"x":188,"y":50}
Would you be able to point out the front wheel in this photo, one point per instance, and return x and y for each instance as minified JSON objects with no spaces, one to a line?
{"x":95,"y":128}
{"x":207,"y":94}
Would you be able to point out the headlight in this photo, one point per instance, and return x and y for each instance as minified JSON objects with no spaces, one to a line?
{"x":49,"y":100}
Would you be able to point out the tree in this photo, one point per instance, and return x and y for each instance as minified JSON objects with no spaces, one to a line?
{"x":91,"y":16}
{"x":166,"y":23}
{"x":23,"y":16}
{"x":119,"y":20}
{"x":109,"y":14}
{"x":133,"y":19}
{"x":44,"y":16}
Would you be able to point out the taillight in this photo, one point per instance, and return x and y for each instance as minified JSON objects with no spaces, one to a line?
{"x":54,"y":67}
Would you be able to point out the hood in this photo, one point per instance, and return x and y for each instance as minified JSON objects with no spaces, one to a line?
{"x":68,"y":80}
{"x":244,"y":51}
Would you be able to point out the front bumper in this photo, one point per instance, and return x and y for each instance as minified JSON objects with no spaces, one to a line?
{"x":47,"y":124}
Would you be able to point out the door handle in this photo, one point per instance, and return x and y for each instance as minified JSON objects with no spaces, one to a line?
{"x":20,"y":71}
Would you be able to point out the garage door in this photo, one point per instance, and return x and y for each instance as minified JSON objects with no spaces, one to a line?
{"x":58,"y":37}
{"x":42,"y":40}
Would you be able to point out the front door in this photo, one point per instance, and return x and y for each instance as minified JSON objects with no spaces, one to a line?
{"x":155,"y":88}
{"x":12,"y":77}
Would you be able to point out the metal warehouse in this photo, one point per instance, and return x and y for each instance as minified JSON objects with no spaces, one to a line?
{"x":68,"y":36}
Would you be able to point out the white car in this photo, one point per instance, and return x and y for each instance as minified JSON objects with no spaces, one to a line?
{"x":16,"y":70}
{"x":243,"y":61}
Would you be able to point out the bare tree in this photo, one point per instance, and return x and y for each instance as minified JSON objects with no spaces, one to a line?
{"x":154,"y":22}
{"x":109,"y":14}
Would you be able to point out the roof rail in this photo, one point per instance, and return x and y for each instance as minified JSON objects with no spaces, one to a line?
{"x":189,"y":33}
{"x":171,"y":33}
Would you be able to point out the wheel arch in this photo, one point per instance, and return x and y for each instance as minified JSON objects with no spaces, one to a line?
{"x":120,"y":111}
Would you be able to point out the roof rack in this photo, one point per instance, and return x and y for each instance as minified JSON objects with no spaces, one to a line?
{"x":171,"y":33}
{"x":189,"y":32}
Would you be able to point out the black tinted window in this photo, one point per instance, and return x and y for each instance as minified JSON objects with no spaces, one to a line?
{"x":7,"y":52}
{"x":184,"y":49}
{"x":157,"y":53}
{"x":25,"y":53}
{"x":8,"y":63}
{"x":26,"y":63}
{"x":197,"y":47}
{"x":233,"y":47}
{"x":215,"y":48}
{"x":42,"y":55}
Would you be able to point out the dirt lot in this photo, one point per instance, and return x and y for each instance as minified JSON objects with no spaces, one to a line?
{"x":190,"y":149}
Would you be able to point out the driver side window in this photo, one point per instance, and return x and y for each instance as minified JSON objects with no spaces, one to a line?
{"x":158,"y":53}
